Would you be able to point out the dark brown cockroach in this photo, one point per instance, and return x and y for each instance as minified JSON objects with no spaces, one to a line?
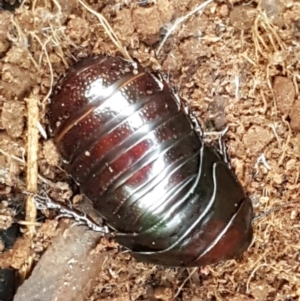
{"x":140,"y":158}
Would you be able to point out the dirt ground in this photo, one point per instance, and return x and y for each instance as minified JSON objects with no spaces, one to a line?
{"x":237,"y":63}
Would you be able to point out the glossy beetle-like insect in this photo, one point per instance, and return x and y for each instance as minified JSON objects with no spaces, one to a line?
{"x":139,"y":157}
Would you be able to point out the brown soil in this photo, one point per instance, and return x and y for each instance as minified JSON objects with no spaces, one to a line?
{"x":237,"y":64}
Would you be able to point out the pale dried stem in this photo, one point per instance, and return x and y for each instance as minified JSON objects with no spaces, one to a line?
{"x":23,"y":162}
{"x":296,"y":84}
{"x":29,"y":224}
{"x":32,"y":156}
{"x":286,"y":145}
{"x":22,"y":41}
{"x":275,"y":41}
{"x":180,"y":20}
{"x":185,"y":281}
{"x":56,"y":3}
{"x":257,"y":39}
{"x":57,"y":41}
{"x":44,"y":50}
{"x":264,"y":101}
{"x":273,"y":33}
{"x":255,"y":270}
{"x":245,"y":55}
{"x":109,"y":30}
{"x":273,"y":127}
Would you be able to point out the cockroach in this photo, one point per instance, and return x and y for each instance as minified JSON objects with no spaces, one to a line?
{"x":139,"y":156}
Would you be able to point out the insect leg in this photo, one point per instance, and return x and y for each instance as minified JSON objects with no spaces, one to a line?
{"x":222,"y":148}
{"x":45,"y":202}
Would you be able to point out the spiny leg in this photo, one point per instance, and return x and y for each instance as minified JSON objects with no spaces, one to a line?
{"x":45,"y":202}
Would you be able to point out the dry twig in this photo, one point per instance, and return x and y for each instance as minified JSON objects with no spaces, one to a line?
{"x":32,"y":156}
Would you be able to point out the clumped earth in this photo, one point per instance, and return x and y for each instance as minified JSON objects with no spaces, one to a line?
{"x":237,"y":64}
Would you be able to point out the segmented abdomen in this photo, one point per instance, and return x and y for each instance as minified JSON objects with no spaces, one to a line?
{"x":138,"y":157}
